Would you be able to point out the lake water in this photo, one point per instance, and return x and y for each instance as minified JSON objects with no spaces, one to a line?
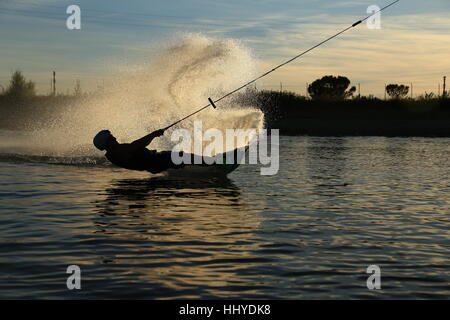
{"x":337,"y":206}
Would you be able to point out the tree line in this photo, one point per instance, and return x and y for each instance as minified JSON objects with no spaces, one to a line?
{"x":331,"y":88}
{"x":328,"y":88}
{"x":20,"y":88}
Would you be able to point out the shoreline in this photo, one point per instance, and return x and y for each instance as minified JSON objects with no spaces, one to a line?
{"x":291,"y":114}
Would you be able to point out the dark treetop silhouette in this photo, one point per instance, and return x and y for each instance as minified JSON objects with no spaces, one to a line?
{"x":331,"y":88}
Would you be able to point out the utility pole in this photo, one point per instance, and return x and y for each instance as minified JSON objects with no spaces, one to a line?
{"x":444,"y":92}
{"x":281,"y":87}
{"x":411,"y":90}
{"x":54,"y":83}
{"x":77,"y":90}
{"x":385,"y":91}
{"x":359,"y":90}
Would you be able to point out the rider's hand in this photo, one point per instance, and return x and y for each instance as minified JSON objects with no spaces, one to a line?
{"x":159,"y":133}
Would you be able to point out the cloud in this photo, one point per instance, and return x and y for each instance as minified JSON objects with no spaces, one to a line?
{"x":403,"y":51}
{"x":26,"y":4}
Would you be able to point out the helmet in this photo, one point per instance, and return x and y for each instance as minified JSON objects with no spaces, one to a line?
{"x":101,"y":139}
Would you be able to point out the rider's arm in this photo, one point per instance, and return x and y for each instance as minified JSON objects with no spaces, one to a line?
{"x":146,"y":140}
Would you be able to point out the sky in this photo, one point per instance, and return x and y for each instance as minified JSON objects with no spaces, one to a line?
{"x":412,"y":45}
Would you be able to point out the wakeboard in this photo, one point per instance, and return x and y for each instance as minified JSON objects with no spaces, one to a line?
{"x":215,"y":169}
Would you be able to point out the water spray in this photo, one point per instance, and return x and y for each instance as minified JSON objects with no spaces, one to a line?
{"x":212,"y":102}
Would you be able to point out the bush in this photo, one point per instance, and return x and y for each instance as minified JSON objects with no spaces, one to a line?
{"x":19,"y":87}
{"x":396,"y":91}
